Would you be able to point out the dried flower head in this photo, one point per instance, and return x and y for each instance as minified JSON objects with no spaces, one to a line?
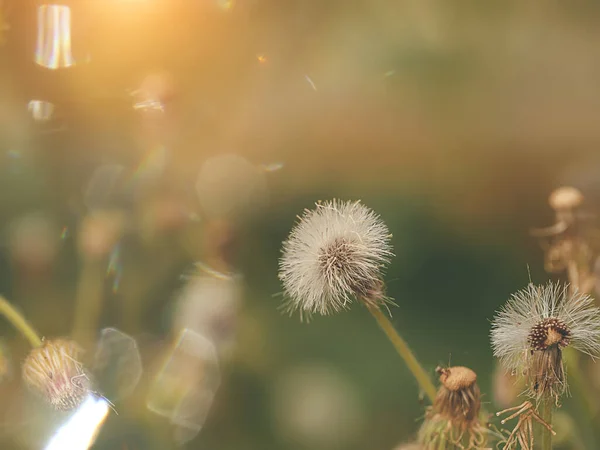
{"x":335,"y":252}
{"x":54,"y":372}
{"x":453,"y":420}
{"x":530,"y":331}
{"x":565,"y":198}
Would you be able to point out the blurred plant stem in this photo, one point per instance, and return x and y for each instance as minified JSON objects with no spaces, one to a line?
{"x":580,"y":392}
{"x":88,"y":301}
{"x":144,"y":278}
{"x":19,"y":322}
{"x":546,"y":415}
{"x":404,"y":351}
{"x":580,"y":277}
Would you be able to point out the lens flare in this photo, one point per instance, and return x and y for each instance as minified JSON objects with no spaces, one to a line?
{"x":53,"y":49}
{"x":117,"y":363}
{"x":40,"y":110}
{"x":184,"y":388}
{"x":80,"y":431}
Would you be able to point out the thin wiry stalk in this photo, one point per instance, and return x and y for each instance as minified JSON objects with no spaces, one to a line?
{"x":405,"y":353}
{"x":19,"y":322}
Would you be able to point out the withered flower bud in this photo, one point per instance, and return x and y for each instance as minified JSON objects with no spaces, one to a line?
{"x":453,"y":420}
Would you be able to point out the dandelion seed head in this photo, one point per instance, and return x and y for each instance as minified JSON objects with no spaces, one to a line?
{"x":531,"y":329}
{"x":336,"y":252}
{"x":54,"y":372}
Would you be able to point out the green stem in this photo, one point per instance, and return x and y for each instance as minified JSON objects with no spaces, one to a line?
{"x":19,"y":322}
{"x":88,"y":302}
{"x":546,"y":414}
{"x":580,"y":390}
{"x":404,"y":351}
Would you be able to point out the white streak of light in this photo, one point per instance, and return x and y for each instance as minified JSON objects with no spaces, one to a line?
{"x":82,"y":427}
{"x":53,"y":48}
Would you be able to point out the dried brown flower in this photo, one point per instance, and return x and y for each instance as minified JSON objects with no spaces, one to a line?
{"x":568,"y":242}
{"x":453,"y":420}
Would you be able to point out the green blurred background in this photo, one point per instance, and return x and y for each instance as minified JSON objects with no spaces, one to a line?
{"x":453,"y":120}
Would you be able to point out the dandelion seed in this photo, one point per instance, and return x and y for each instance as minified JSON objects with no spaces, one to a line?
{"x":335,"y":253}
{"x":537,"y":323}
{"x":54,"y":372}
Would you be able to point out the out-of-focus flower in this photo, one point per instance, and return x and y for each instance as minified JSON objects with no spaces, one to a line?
{"x":453,"y":420}
{"x":209,"y":304}
{"x":317,"y":406}
{"x":99,"y":233}
{"x":566,"y":243}
{"x":229,"y":186}
{"x":34,"y":241}
{"x":565,"y":198}
{"x":535,"y":325}
{"x":335,"y":253}
{"x":54,"y":372}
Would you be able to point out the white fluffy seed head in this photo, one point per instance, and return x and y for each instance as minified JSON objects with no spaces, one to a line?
{"x":520,"y":318}
{"x":336,"y":252}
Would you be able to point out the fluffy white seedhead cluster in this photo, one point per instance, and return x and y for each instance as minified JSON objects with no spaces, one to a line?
{"x":335,"y":253}
{"x":544,"y":315}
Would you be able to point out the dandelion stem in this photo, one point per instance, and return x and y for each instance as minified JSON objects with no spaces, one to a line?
{"x":546,"y":415}
{"x":88,"y":302}
{"x":19,"y":322}
{"x":404,"y":351}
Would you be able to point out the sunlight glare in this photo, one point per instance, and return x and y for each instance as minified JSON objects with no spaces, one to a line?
{"x":82,"y":427}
